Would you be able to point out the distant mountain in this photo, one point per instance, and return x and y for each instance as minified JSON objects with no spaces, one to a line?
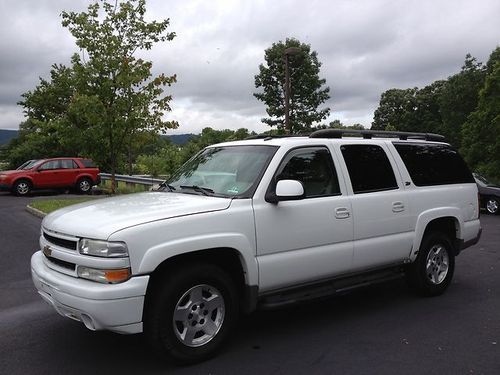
{"x":7,"y":135}
{"x":178,"y":139}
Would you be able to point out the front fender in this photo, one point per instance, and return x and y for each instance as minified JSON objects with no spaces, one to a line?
{"x":159,"y":253}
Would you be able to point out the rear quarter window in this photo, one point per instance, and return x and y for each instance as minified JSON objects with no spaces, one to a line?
{"x":369,"y":168}
{"x":87,"y":163}
{"x":433,"y":164}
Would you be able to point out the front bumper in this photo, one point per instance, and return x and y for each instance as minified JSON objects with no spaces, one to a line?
{"x":4,"y":187}
{"x":113,"y":307}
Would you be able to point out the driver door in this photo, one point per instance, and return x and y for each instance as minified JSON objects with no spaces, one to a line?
{"x":310,"y":239}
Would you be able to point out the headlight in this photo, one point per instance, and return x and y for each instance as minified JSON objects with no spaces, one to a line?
{"x":102,"y":248}
{"x":104,"y":276}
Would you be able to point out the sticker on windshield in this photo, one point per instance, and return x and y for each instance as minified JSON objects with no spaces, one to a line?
{"x":233,"y":190}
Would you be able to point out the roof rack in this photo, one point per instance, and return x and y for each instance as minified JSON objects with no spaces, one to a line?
{"x":268,"y":136}
{"x":368,"y":134}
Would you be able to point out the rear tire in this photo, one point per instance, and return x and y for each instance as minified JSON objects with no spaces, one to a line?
{"x":84,"y":185}
{"x":431,"y":273}
{"x":191,"y":314}
{"x":493,"y":205}
{"x":22,"y":188}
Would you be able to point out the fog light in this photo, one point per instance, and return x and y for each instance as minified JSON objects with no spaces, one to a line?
{"x":104,"y":276}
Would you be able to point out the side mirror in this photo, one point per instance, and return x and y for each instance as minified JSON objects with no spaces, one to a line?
{"x":286,"y":190}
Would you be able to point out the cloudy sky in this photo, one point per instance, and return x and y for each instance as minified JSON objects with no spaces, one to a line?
{"x":366,"y":47}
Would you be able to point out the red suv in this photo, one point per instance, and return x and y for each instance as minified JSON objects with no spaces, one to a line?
{"x":77,"y":173}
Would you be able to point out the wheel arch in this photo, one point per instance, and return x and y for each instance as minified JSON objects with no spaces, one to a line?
{"x":21,"y":178}
{"x":84,"y":175}
{"x":448,"y":222}
{"x":227,"y":258}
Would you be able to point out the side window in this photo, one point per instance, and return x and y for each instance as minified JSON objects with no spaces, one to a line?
{"x":369,"y":168}
{"x":87,"y":163}
{"x":433,"y":164}
{"x":53,"y":164}
{"x":314,"y":168}
{"x":68,"y":164}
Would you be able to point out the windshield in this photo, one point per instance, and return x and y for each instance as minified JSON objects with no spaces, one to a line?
{"x":28,"y":165}
{"x":223,"y":171}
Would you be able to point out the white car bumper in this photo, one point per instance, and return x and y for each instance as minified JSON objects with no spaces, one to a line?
{"x":113,"y":307}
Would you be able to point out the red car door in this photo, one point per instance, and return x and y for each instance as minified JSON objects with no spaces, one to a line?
{"x":47,"y":174}
{"x":68,"y":172}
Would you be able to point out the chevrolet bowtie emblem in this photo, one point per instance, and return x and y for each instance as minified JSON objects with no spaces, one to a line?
{"x":47,"y":250}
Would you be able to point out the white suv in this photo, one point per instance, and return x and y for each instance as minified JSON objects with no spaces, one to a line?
{"x":260,"y":223}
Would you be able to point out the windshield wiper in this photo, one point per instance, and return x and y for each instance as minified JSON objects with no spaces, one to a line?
{"x":199,"y":189}
{"x":165,"y":185}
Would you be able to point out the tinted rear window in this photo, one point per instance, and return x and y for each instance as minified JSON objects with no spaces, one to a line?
{"x":87,"y":163}
{"x":369,"y":168}
{"x":432,"y":164}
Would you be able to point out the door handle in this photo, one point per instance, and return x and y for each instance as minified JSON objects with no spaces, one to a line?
{"x":398,"y":207}
{"x":342,"y":213}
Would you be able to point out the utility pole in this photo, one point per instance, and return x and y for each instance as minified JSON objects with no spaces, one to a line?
{"x":288,"y":51}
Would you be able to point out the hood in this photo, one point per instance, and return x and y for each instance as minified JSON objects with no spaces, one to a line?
{"x":11,"y":172}
{"x":100,"y":218}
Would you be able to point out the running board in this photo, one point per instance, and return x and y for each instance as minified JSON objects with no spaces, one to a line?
{"x":327,"y":288}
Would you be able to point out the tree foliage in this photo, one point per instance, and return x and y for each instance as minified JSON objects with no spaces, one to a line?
{"x":117,"y":96}
{"x":481,"y":132}
{"x":412,"y":109}
{"x":337,"y":124}
{"x":169,"y":156}
{"x":459,"y":98}
{"x":441,"y":107}
{"x":307,"y":90}
{"x":107,"y":102}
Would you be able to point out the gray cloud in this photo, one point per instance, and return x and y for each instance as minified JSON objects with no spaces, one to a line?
{"x":366,"y":47}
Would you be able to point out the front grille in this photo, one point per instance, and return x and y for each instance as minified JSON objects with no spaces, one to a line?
{"x":61,"y":263}
{"x":68,"y":244}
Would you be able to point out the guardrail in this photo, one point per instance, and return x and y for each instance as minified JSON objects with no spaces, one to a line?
{"x":133,"y":180}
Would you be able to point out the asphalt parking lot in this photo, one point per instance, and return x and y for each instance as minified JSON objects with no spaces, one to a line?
{"x":379,"y":330}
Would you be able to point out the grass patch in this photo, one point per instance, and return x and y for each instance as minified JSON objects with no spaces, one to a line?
{"x":49,"y":205}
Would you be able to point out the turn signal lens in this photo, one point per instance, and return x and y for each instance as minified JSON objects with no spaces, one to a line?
{"x":117,"y":276}
{"x":104,"y":276}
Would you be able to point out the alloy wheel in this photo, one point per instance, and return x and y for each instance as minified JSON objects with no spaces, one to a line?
{"x":437,"y":264}
{"x":199,"y":315}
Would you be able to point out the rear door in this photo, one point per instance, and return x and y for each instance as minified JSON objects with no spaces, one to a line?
{"x":68,"y":172}
{"x":379,"y":205}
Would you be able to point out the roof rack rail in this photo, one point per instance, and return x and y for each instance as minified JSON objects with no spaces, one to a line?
{"x":368,"y":134}
{"x":269,"y":136}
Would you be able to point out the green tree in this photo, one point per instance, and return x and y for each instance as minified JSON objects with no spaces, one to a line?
{"x":396,"y":109}
{"x":441,"y":107}
{"x":45,"y":108}
{"x":427,"y":114}
{"x":116,"y":97}
{"x":337,"y":124}
{"x":169,"y":156}
{"x":459,"y":98}
{"x":412,"y":110}
{"x":307,"y":90}
{"x":481,"y":132}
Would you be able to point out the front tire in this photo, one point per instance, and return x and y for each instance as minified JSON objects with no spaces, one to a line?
{"x":22,"y":188}
{"x":493,"y":205}
{"x":191,"y":313}
{"x":431,"y":273}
